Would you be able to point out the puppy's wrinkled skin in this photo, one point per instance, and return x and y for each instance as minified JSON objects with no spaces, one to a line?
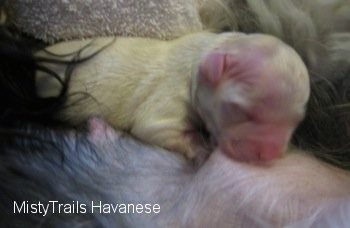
{"x":250,"y":90}
{"x":102,"y":165}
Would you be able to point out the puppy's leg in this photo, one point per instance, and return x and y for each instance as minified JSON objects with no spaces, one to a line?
{"x":251,"y":93}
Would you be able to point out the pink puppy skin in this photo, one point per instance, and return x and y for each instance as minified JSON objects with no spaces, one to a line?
{"x":251,"y":94}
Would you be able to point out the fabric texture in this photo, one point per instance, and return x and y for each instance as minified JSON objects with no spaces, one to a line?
{"x":53,"y":20}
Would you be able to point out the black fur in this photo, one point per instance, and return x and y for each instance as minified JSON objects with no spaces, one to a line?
{"x":18,"y":66}
{"x":326,"y":128}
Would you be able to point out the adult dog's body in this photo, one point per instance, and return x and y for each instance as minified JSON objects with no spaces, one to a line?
{"x":297,"y":190}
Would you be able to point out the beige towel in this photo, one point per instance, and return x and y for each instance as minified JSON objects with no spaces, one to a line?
{"x":52,"y":20}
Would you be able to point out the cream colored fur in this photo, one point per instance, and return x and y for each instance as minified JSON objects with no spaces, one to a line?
{"x":143,"y":86}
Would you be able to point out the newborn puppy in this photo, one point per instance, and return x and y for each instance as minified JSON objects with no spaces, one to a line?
{"x":72,"y":173}
{"x":249,"y":90}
